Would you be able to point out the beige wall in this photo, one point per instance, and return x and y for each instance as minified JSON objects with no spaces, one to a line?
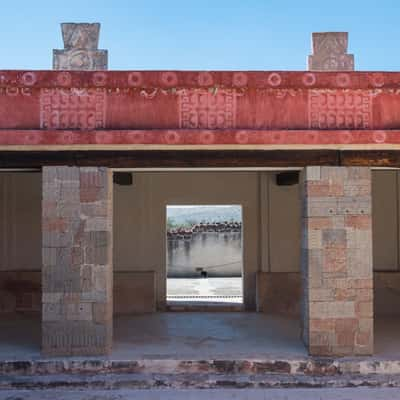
{"x":385,"y":221}
{"x":140,"y":218}
{"x":270,"y":220}
{"x":283,"y":227}
{"x":20,"y":221}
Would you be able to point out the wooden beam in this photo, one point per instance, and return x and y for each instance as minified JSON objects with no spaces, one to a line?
{"x":373,"y":158}
{"x":171,"y":159}
{"x":201,"y":158}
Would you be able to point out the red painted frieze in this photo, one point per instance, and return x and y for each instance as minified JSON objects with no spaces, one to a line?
{"x":208,"y":110}
{"x":72,"y":108}
{"x":190,"y":79}
{"x":196,"y":137}
{"x":270,"y":108}
{"x":340,"y":109}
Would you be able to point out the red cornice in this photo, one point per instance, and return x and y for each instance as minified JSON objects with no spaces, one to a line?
{"x":172,"y":80}
{"x":204,"y":138}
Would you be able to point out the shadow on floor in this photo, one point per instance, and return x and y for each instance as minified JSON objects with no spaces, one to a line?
{"x":193,"y":335}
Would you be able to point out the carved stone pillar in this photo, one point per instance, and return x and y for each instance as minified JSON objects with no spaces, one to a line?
{"x":80,"y":49}
{"x":77,"y":275}
{"x":330,"y":52}
{"x":336,"y":262}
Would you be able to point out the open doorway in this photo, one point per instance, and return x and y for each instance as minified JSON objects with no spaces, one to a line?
{"x":204,"y":255}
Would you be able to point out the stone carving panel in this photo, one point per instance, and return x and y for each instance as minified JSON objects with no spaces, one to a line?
{"x":80,"y":48}
{"x":340,"y":109}
{"x":80,"y":60}
{"x":330,"y":52}
{"x":80,"y":36}
{"x":204,"y":109}
{"x":72,"y":108}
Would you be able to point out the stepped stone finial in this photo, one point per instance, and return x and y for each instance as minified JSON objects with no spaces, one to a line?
{"x":330,"y":52}
{"x":80,"y":48}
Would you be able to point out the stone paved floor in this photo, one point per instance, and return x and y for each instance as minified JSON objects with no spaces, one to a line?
{"x":169,"y":335}
{"x":194,"y":335}
{"x":207,"y":335}
{"x":217,"y":290}
{"x":203,"y":394}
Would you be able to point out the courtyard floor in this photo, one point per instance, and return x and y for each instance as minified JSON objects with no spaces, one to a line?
{"x":197,"y":335}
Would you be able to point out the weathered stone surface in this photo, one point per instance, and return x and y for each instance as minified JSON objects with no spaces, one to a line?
{"x":330,"y":52}
{"x":336,"y":261}
{"x":80,"y":36}
{"x":111,"y":379}
{"x":80,"y":48}
{"x":77,"y":263}
{"x":307,"y":366}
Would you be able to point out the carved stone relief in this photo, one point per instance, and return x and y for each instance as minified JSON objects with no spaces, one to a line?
{"x":330,"y":52}
{"x":340,"y":109}
{"x":202,"y":109}
{"x":80,"y":49}
{"x":72,"y":108}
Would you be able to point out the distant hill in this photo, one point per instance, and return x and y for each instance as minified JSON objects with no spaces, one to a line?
{"x":197,"y":214}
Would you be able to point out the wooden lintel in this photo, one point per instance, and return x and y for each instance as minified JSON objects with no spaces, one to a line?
{"x":201,"y":158}
{"x":373,"y":158}
{"x":170,"y":159}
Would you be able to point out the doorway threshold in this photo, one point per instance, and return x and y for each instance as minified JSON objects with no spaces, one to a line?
{"x":203,"y":306}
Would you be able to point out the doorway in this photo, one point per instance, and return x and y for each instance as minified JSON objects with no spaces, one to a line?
{"x":204,"y":255}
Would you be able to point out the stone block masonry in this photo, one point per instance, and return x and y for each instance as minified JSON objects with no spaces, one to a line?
{"x":77,"y":261}
{"x":336,"y":261}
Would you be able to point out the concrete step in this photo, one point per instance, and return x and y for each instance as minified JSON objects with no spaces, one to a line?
{"x":198,"y":381}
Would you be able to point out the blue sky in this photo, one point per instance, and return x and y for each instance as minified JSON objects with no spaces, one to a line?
{"x":206,"y":34}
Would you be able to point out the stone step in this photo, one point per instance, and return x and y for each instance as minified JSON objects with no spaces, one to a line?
{"x":206,"y":394}
{"x":199,"y":381}
{"x":296,"y":366}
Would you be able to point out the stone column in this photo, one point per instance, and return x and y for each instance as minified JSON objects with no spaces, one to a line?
{"x":336,"y":261}
{"x":330,"y":52}
{"x":77,"y":275}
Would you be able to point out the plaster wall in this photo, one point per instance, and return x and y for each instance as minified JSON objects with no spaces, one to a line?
{"x":385,"y":203}
{"x":139,"y":209}
{"x":140,"y":219}
{"x":271,"y":223}
{"x":20,"y":221}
